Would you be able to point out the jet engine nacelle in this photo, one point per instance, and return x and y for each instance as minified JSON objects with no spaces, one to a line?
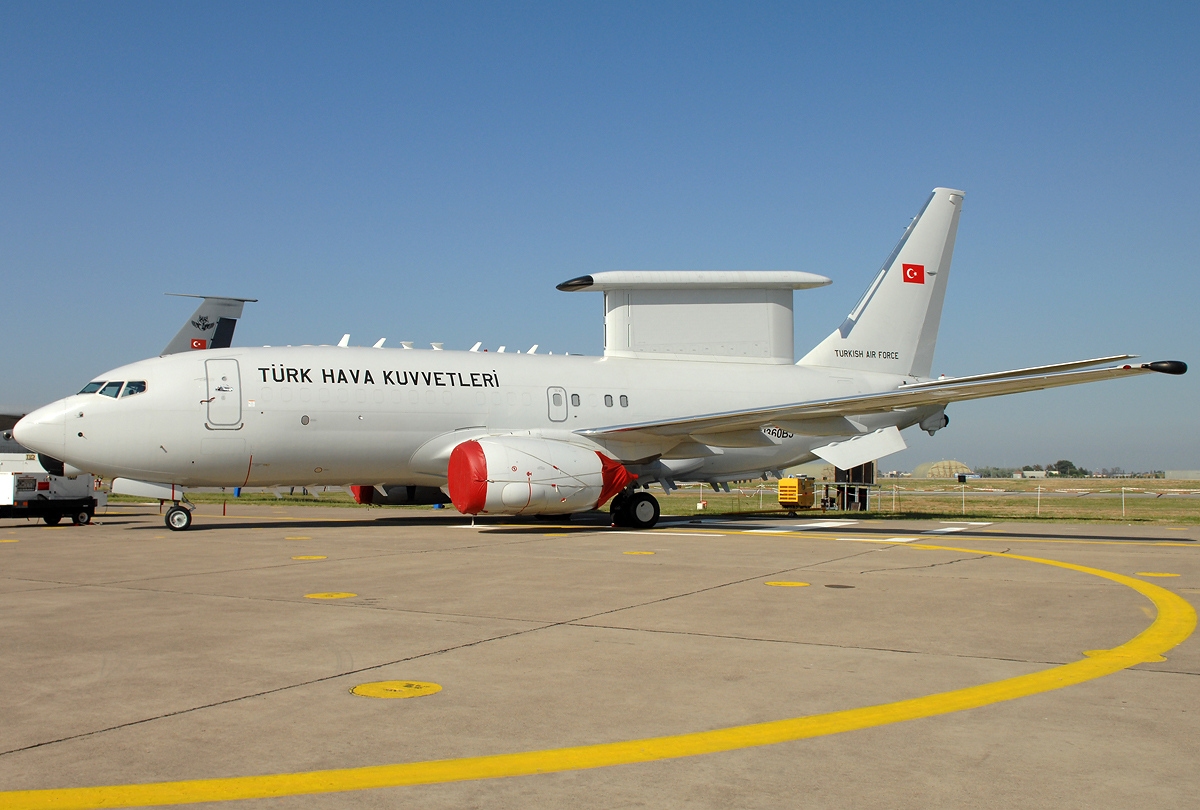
{"x":934,"y":422}
{"x":518,"y":475}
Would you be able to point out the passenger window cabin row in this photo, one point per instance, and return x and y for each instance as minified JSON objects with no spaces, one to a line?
{"x":556,"y":398}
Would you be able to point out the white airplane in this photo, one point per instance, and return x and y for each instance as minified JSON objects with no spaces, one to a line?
{"x":697,"y":384}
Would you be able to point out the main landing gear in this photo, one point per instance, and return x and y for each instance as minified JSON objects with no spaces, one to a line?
{"x":178,"y":518}
{"x":634,"y":510}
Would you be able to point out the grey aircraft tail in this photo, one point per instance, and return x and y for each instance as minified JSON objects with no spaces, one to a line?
{"x":211,"y":325}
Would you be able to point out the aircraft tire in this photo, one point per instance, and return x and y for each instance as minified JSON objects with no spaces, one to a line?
{"x":641,"y":511}
{"x":81,"y":518}
{"x":52,"y":519}
{"x":178,"y":519}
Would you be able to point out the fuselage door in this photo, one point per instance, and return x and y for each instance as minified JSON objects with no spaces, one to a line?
{"x":557,"y":401}
{"x":224,"y":394}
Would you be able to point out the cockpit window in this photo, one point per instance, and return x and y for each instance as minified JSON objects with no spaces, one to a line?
{"x":111,"y":389}
{"x":133,"y":387}
{"x":92,"y":387}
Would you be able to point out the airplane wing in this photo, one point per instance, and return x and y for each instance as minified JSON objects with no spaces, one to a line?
{"x":932,"y":392}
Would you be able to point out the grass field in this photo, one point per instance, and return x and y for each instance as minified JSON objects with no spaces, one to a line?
{"x":1073,"y":500}
{"x":1063,"y":500}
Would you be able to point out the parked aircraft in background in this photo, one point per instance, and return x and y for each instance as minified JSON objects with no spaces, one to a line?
{"x":697,"y":384}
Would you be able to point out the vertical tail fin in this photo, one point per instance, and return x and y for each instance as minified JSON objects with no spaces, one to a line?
{"x":894,"y":326}
{"x":211,"y":325}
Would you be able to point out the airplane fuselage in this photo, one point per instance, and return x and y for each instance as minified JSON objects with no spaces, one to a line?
{"x":323,"y":414}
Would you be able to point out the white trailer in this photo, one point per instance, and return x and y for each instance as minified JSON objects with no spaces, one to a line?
{"x":30,"y":494}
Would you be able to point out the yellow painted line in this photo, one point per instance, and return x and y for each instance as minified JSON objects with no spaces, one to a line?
{"x":330,"y":595}
{"x":9,"y":541}
{"x":1176,"y":621}
{"x":1095,"y":653}
{"x":1155,"y":574}
{"x":298,"y":537}
{"x":781,"y":584}
{"x":396,"y":689}
{"x":636,"y":553}
{"x":310,"y":557}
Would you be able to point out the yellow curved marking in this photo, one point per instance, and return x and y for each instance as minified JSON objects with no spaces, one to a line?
{"x":330,"y":595}
{"x":1155,"y":574}
{"x":1157,"y":659}
{"x":310,"y":557}
{"x":782,"y":584}
{"x":1176,"y":621}
{"x":636,"y":553}
{"x":396,"y":689}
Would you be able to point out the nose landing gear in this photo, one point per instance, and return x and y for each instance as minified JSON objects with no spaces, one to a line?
{"x":178,"y":518}
{"x":634,"y":510}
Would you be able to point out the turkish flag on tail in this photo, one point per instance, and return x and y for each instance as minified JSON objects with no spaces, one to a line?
{"x":914,"y":273}
{"x":199,"y":343}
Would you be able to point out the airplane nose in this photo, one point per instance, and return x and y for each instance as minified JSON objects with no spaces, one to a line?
{"x":43,"y":430}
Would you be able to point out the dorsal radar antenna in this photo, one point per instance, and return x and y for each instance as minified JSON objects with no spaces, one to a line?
{"x":345,"y":341}
{"x":379,"y":343}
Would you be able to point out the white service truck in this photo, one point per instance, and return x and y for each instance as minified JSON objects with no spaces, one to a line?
{"x":28,"y":491}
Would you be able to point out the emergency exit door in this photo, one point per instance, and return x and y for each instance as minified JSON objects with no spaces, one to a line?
{"x":224,"y":394}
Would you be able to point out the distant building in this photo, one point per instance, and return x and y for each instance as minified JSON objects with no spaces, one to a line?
{"x":949,"y":468}
{"x":1030,"y":474}
{"x":1183,"y":475}
{"x":819,"y":470}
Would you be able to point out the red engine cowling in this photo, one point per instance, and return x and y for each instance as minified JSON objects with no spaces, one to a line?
{"x":518,"y":475}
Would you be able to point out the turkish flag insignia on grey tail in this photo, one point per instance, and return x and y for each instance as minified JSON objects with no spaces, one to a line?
{"x":914,"y":273}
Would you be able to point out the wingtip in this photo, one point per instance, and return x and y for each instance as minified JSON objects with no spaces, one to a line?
{"x":1167,"y":366}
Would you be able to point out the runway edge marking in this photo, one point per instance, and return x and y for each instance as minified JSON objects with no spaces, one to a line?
{"x":1176,"y":620}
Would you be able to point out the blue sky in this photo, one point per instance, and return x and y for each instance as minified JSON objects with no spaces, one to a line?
{"x":429,"y":172}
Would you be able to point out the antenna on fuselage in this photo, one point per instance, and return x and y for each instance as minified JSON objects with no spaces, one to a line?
{"x":345,"y":341}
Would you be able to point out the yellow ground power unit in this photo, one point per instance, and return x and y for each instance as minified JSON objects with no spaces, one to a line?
{"x":796,"y":493}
